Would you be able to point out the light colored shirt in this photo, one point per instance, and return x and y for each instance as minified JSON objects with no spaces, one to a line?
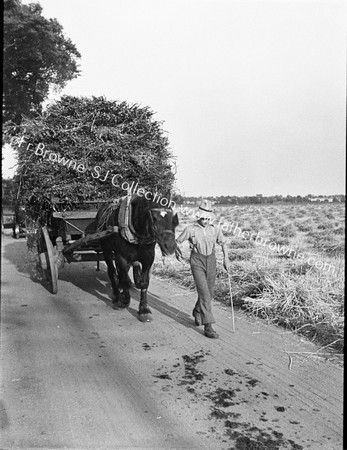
{"x":202,"y":239}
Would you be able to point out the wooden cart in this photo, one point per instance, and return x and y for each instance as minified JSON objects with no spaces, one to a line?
{"x":70,"y":236}
{"x":13,"y":216}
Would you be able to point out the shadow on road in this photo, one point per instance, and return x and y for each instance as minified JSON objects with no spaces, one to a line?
{"x":97,"y":284}
{"x":25,"y":261}
{"x":4,"y":421}
{"x":156,"y":303}
{"x":84,"y":277}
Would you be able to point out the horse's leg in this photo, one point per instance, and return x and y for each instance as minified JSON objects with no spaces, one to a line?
{"x":141,"y":277}
{"x":137,"y":268}
{"x":112,"y":272}
{"x":145,"y":314}
{"x":124,"y":281}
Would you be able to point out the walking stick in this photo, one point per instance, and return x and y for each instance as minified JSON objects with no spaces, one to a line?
{"x":231,"y":304}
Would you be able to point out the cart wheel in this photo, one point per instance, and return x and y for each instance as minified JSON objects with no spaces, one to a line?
{"x":16,"y":231}
{"x":50,"y":268}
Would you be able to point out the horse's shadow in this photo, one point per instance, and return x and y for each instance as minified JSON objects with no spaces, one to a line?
{"x":25,"y":261}
{"x":159,"y":305}
{"x":98,"y":285}
{"x":95,"y":283}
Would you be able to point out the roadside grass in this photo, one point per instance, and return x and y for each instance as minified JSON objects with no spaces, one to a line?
{"x":305,"y":294}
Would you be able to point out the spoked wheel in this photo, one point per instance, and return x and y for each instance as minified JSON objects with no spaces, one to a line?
{"x":48,"y":261}
{"x":16,"y":230}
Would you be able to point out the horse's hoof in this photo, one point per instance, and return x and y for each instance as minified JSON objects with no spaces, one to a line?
{"x":145,"y":317}
{"x":124,"y":300}
{"x":118,"y":305}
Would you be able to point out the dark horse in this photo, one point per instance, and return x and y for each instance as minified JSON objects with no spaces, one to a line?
{"x":151,"y":225}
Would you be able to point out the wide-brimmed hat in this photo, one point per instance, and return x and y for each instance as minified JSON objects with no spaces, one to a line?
{"x":205,"y":210}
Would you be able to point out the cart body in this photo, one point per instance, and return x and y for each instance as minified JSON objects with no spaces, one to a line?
{"x":70,"y":236}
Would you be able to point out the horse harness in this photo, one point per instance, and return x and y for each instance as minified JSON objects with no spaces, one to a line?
{"x":125,"y":226}
{"x":110,"y":208}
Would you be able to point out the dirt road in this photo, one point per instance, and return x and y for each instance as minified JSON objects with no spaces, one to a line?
{"x":77,"y":374}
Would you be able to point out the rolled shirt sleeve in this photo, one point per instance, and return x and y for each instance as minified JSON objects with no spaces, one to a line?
{"x":184,"y":235}
{"x":205,"y":238}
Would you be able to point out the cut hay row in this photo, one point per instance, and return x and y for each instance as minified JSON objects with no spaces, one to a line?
{"x":279,"y":288}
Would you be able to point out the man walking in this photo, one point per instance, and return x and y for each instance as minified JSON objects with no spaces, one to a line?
{"x":203,"y":236}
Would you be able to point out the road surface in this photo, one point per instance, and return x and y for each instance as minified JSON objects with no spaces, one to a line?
{"x":77,"y":374}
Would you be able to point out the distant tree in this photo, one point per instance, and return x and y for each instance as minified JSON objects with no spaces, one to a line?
{"x":254,"y":200}
{"x":8,"y":191}
{"x":178,"y":198}
{"x":36,"y":56}
{"x":224,"y":200}
{"x":88,"y":149}
{"x":234,"y":200}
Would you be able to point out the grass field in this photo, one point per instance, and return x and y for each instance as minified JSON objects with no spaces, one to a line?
{"x":287,"y":265}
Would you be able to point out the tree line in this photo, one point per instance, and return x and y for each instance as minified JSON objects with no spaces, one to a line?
{"x":260,"y":199}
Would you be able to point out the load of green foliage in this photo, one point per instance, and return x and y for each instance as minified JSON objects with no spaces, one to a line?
{"x":102,"y":140}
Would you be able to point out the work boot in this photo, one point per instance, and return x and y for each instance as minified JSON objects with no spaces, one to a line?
{"x":197,"y":318}
{"x":209,"y":332}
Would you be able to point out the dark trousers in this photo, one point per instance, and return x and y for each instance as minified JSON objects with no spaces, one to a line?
{"x":204,"y":273}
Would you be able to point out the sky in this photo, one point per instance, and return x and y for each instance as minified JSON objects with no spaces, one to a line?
{"x":252,"y":93}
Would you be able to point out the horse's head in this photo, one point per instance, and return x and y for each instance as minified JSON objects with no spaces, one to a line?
{"x":163,"y":227}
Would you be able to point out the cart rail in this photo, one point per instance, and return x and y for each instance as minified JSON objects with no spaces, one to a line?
{"x":89,"y":238}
